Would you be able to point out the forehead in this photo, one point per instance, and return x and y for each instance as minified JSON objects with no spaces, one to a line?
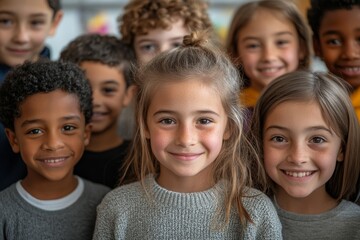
{"x":53,"y":105}
{"x":341,"y":20}
{"x":176,"y":30}
{"x":260,"y":21}
{"x":99,"y":72}
{"x":25,"y":6}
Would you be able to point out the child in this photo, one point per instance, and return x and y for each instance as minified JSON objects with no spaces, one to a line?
{"x":311,"y":144}
{"x":46,"y":108}
{"x":152,"y":27}
{"x":267,"y":38}
{"x":335,"y":25}
{"x":24,"y":26}
{"x":106,"y":62}
{"x":188,"y":156}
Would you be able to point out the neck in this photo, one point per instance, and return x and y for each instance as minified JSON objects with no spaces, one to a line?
{"x":105,"y":140}
{"x":45,"y":189}
{"x":317,"y":202}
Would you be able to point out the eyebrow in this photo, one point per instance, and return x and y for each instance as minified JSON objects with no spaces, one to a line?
{"x":313,"y":128}
{"x":336,"y":32}
{"x":33,"y":121}
{"x":153,"y":40}
{"x":32,"y":14}
{"x":197,"y":112}
{"x":111,"y":81}
{"x":276,"y":34}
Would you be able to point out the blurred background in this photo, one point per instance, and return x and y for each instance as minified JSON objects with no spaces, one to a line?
{"x":85,"y":16}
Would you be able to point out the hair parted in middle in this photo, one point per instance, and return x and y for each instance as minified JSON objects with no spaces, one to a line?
{"x":332,"y":95}
{"x":141,"y":16}
{"x":284,"y":7}
{"x":199,"y":59}
{"x":104,"y":49}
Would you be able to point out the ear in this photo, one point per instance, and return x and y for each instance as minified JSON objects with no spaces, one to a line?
{"x":87,"y":134}
{"x":129,"y":94}
{"x":55,"y":22}
{"x":13,"y":140}
{"x":340,"y":156}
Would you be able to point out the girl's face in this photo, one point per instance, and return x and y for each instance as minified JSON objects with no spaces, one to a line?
{"x":300,"y":150}
{"x":186,"y":128}
{"x":268,"y":47}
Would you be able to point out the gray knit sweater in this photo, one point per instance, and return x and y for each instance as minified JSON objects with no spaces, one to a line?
{"x":342,"y":222}
{"x":127,"y":213}
{"x":20,"y":220}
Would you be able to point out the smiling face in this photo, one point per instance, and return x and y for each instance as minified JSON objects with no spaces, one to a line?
{"x":186,"y":127}
{"x":24,"y":25}
{"x":339,"y":43}
{"x":159,"y":40}
{"x":110,"y":95}
{"x":50,"y":134}
{"x":300,"y":150}
{"x":268,"y":52}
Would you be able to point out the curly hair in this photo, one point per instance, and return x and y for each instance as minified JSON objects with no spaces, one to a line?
{"x":42,"y":77}
{"x":141,"y":16}
{"x":319,"y":7}
{"x":104,"y":49}
{"x":55,"y":5}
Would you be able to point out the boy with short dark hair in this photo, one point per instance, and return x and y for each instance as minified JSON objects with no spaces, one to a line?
{"x":24,"y":26}
{"x":106,"y":62}
{"x":46,"y":108}
{"x":335,"y":25}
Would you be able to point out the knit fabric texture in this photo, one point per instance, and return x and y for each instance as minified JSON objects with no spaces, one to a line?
{"x":22,"y":221}
{"x":342,"y":222}
{"x":128,"y":213}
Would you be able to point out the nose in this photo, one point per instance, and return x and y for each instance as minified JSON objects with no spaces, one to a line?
{"x":351,"y":49}
{"x":268,"y":52}
{"x":97,"y":96}
{"x":52,"y":141}
{"x":297,"y":154}
{"x":21,"y":34}
{"x":186,"y":135}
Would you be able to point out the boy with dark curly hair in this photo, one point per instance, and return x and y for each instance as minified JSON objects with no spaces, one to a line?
{"x":46,"y":108}
{"x":152,"y":27}
{"x":24,"y":26}
{"x":336,"y":33}
{"x":106,"y":62}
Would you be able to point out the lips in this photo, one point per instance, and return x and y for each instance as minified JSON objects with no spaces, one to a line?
{"x":97,"y":116}
{"x":186,"y":156}
{"x":349,"y":71}
{"x":53,"y":161}
{"x":270,"y":71}
{"x":298,"y":174}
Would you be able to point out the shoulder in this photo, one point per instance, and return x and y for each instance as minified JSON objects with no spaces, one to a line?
{"x":259,"y":205}
{"x":126,"y":194}
{"x":95,"y":190}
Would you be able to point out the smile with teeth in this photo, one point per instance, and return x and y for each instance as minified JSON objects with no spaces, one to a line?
{"x":54,"y":160}
{"x":298,"y":174}
{"x":350,"y":69}
{"x":269,"y":70}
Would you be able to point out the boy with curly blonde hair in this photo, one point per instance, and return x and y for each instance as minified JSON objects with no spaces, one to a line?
{"x":154,"y":26}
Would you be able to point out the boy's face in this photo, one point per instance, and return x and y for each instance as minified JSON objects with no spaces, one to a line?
{"x":24,"y":26}
{"x":110,"y":95}
{"x":159,"y":40}
{"x":339,"y":43}
{"x":50,"y":135}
